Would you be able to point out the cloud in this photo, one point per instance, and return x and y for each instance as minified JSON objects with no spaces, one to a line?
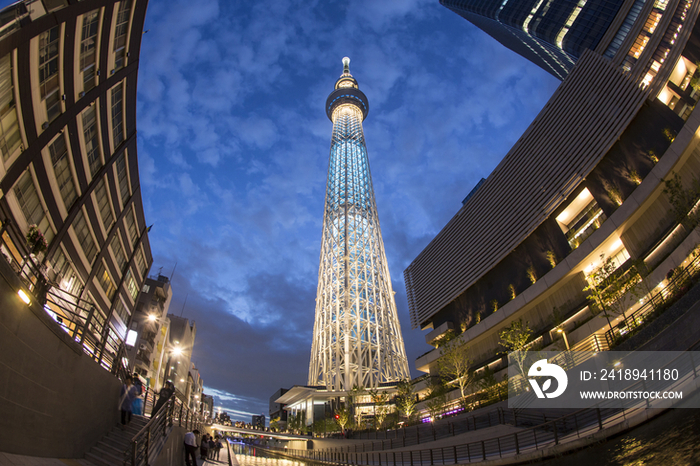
{"x":233,"y":158}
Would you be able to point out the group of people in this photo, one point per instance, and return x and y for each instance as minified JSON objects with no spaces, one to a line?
{"x":130,"y":401}
{"x":209,"y":447}
{"x":131,"y":398}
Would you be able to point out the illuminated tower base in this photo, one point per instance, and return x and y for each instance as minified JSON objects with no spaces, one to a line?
{"x":357,"y":336}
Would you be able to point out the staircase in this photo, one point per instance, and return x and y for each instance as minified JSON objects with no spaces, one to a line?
{"x":110,"y":450}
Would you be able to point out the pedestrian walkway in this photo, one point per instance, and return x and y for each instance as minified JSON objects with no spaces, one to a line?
{"x":8,"y":459}
{"x":223,"y":459}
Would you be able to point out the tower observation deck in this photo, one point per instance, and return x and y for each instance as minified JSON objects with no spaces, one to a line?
{"x":357,"y":336}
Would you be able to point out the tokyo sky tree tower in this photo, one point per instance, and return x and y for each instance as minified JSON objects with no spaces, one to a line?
{"x":357,"y":335}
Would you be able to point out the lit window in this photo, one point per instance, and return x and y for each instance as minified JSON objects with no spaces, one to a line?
{"x":105,"y":281}
{"x":131,"y":285}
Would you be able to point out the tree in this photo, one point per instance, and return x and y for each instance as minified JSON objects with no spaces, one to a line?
{"x":643,"y":287}
{"x":683,"y":201}
{"x":405,"y":398}
{"x":296,"y":422}
{"x":610,"y":290}
{"x":513,"y":340}
{"x":379,"y":399}
{"x":357,"y":392}
{"x":488,"y":384}
{"x":437,"y":397}
{"x":455,"y":365}
{"x":275,"y":424}
{"x":343,"y":416}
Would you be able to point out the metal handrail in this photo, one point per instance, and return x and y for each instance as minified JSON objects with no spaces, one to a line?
{"x":151,"y":436}
{"x":638,"y":317}
{"x":582,"y":423}
{"x":78,"y":318}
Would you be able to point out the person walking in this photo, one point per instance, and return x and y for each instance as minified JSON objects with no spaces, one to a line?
{"x":212,"y":446}
{"x":204,"y":447}
{"x":163,"y":396}
{"x":217,"y":448}
{"x":191,"y":447}
{"x":137,"y":405}
{"x":127,"y":396}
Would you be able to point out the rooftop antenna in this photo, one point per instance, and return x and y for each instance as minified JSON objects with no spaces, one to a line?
{"x":173,"y":273}
{"x":183,"y":305}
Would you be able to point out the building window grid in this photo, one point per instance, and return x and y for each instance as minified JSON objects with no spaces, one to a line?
{"x":105,"y":281}
{"x":122,"y":311}
{"x":141,"y":262}
{"x":92,"y":143}
{"x":103,"y":204}
{"x":118,"y":252}
{"x":642,"y":39}
{"x":29,"y":202}
{"x":88,"y":49}
{"x":9,"y":126}
{"x":62,"y":171}
{"x":131,"y":227}
{"x":123,"y":178}
{"x":120,"y":33}
{"x":48,"y":71}
{"x":117,"y":114}
{"x":82,"y":231}
{"x":625,"y":28}
{"x":131,"y":286}
{"x":66,"y":277}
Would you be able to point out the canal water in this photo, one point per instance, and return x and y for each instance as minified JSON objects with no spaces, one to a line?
{"x":251,"y":456}
{"x":672,"y":439}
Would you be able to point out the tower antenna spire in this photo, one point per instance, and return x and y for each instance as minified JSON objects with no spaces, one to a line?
{"x":346,"y":65}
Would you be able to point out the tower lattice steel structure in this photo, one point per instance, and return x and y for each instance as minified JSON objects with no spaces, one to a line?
{"x":357,"y":335}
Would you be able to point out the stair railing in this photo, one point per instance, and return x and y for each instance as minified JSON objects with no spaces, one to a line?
{"x":150,"y":439}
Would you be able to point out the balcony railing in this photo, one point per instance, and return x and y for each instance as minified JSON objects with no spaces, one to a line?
{"x":79,"y":318}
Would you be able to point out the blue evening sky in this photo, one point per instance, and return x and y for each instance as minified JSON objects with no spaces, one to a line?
{"x":233,"y":153}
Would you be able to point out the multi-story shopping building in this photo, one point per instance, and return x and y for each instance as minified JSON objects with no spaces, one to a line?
{"x":554,"y":34}
{"x":277,"y":411}
{"x":583,"y":186}
{"x":178,"y":355}
{"x":149,"y":330}
{"x":68,"y":170}
{"x":258,"y":422}
{"x":206,"y":407}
